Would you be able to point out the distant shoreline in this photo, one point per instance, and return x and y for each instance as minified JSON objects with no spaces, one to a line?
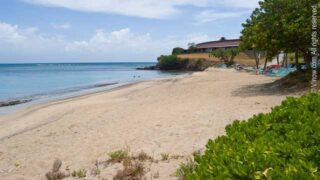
{"x":14,"y":102}
{"x":30,"y":98}
{"x":11,"y":106}
{"x":31,"y":83}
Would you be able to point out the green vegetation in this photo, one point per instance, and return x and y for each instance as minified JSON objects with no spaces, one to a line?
{"x":173,"y":62}
{"x":118,"y":156}
{"x":226,"y":55}
{"x":223,"y":39}
{"x":192,"y":47}
{"x":185,"y":169}
{"x":177,"y":50}
{"x":81,"y":173}
{"x":169,"y":62}
{"x":280,"y":25}
{"x":132,"y":165}
{"x":283,"y":144}
{"x":164,"y":156}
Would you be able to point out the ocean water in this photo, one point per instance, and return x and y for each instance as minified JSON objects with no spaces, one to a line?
{"x":36,"y":81}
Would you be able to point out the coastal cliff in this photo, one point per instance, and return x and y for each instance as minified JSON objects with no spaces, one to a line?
{"x":181,"y":65}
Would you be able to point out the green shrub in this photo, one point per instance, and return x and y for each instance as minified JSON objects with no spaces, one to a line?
{"x":177,"y":50}
{"x":81,"y":173}
{"x":118,"y":156}
{"x":283,"y":144}
{"x":226,"y":55}
{"x":165,"y":156}
{"x":185,"y":168}
{"x":169,"y":62}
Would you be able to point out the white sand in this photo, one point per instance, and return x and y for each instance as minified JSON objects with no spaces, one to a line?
{"x":175,"y":116}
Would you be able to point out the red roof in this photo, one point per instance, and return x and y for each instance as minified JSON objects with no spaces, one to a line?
{"x":219,"y":44}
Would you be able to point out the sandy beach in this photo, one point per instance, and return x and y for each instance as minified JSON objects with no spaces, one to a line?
{"x":175,"y":116}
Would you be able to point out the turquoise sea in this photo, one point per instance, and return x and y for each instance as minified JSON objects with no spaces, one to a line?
{"x":38,"y":81}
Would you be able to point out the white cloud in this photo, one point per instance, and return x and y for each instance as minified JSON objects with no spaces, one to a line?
{"x":125,"y":43}
{"x":174,"y":41}
{"x":18,"y":43}
{"x":65,"y":25}
{"x":121,"y":41}
{"x":248,"y":4}
{"x":209,"y":16}
{"x":25,"y":40}
{"x":157,"y":9}
{"x":9,"y":33}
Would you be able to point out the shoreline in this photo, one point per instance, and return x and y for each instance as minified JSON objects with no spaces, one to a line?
{"x":14,"y":102}
{"x":171,"y":115}
{"x":40,"y":105}
{"x":13,"y":106}
{"x":73,"y":97}
{"x":37,"y":81}
{"x":57,"y":94}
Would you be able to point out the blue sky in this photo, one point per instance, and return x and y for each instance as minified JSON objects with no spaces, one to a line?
{"x":112,"y":30}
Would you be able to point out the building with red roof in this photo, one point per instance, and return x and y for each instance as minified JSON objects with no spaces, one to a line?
{"x":213,"y":45}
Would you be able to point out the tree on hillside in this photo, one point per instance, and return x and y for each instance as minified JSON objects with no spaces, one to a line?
{"x":169,"y":62}
{"x":177,"y":50}
{"x":192,"y":47}
{"x":280,"y":25}
{"x":223,"y":38}
{"x":191,"y":44}
{"x":226,"y":55}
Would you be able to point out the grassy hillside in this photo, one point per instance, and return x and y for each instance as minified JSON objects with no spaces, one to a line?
{"x":173,"y":62}
{"x":242,"y":58}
